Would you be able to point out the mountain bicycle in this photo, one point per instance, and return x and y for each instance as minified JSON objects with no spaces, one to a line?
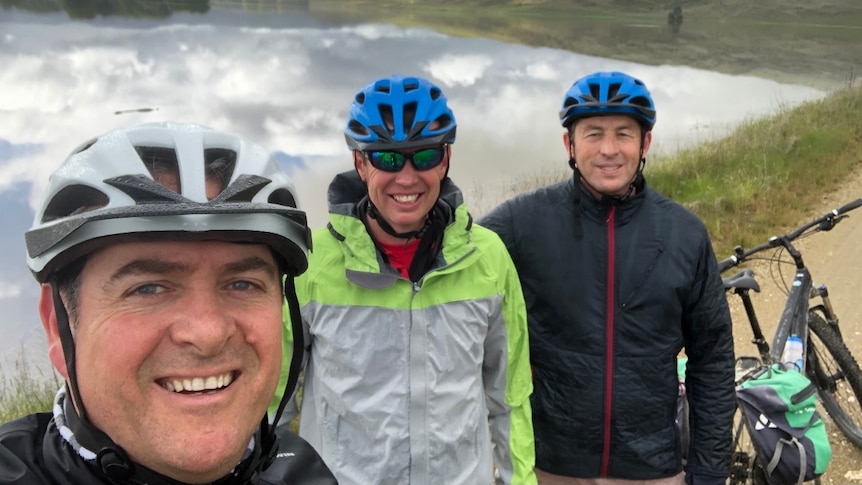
{"x":827,"y":361}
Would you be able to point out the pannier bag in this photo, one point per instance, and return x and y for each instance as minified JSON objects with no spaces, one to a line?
{"x":779,"y":408}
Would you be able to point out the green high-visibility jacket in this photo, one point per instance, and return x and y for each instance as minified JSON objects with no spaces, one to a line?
{"x":415,"y":383}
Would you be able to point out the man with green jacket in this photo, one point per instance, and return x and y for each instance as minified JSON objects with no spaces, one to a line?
{"x":417,"y":359}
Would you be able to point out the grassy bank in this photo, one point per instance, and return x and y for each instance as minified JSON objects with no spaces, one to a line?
{"x":768,"y":175}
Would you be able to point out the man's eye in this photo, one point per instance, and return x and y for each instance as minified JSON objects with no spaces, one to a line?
{"x":242,"y":285}
{"x":150,"y":289}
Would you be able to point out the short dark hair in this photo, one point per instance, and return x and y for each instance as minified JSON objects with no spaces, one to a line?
{"x":68,"y":280}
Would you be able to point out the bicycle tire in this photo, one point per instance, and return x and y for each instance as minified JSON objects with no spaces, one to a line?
{"x":837,"y":376}
{"x":746,"y":467}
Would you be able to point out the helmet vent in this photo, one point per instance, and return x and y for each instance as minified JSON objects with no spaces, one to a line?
{"x":409,"y":116}
{"x":442,"y":122}
{"x":435,"y":94}
{"x":386,"y":116}
{"x":72,"y":200}
{"x":410,"y":86}
{"x":84,"y":147}
{"x":162,"y":165}
{"x":613,"y":89}
{"x":282,"y":197}
{"x":357,"y":128}
{"x":383,"y":88}
{"x":360,"y":98}
{"x":640,"y":101}
{"x":219,"y":164}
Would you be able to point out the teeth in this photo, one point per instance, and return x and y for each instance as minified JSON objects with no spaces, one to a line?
{"x":198,"y":384}
{"x":405,"y":198}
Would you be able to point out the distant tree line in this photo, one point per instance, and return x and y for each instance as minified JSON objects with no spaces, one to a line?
{"x":88,"y":9}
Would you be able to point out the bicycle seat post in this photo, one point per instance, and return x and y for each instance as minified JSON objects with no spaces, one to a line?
{"x":759,"y":340}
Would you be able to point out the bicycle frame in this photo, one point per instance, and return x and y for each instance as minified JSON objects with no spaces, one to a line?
{"x":794,"y":316}
{"x":826,"y":361}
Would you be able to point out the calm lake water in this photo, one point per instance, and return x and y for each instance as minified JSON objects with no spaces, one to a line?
{"x":286,"y":80}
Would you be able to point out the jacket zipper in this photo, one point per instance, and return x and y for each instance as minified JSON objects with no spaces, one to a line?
{"x":609,"y":345}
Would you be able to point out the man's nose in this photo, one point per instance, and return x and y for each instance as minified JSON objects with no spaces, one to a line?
{"x":203,"y":323}
{"x":610,"y":145}
{"x":408,"y":173}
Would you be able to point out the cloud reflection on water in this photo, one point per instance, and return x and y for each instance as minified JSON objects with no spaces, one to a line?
{"x":289,"y":88}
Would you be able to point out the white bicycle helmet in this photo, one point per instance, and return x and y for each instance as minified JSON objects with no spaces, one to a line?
{"x":106,"y":191}
{"x":161,"y":181}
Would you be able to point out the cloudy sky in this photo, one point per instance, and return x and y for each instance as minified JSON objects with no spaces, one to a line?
{"x":287,"y":82}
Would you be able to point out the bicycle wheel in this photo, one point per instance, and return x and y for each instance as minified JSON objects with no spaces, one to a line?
{"x":745,"y":466}
{"x":837,"y":376}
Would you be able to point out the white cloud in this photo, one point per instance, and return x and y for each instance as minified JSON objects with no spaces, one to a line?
{"x":460,"y":70}
{"x":8,"y":290}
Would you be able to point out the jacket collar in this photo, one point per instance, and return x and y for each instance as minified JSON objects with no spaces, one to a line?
{"x":347,"y":189}
{"x":598,"y":209}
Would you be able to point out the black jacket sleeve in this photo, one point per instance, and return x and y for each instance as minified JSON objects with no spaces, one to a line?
{"x":709,"y":376}
{"x":297,"y":463}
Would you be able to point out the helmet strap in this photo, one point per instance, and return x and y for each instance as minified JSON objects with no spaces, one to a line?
{"x":68,"y":342}
{"x":367,"y":208}
{"x":576,"y":198}
{"x":269,"y":438}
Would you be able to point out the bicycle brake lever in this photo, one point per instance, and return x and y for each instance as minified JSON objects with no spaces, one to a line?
{"x":830,"y":222}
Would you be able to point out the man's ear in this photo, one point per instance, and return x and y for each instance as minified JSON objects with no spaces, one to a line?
{"x":49,"y":321}
{"x":647,"y":143}
{"x":567,"y":142}
{"x":359,"y":164}
{"x":446,"y":158}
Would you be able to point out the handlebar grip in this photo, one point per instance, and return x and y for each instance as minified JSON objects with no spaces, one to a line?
{"x":726,"y":264}
{"x":848,"y":207}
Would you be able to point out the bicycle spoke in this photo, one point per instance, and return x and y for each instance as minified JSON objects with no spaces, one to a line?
{"x":837,"y":376}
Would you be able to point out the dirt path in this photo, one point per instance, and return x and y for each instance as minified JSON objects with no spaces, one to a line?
{"x":835,"y":258}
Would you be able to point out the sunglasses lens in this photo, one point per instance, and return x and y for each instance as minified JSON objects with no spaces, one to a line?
{"x":394,"y":161}
{"x":387,"y":161}
{"x":427,"y":159}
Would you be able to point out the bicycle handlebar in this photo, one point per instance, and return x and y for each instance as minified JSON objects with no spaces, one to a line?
{"x":823,"y":223}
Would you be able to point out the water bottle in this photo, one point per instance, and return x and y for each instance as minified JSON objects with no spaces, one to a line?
{"x":792,"y":357}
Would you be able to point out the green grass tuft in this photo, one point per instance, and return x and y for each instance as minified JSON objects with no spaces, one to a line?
{"x":26,"y":390}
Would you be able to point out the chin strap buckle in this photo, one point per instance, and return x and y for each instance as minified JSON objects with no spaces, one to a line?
{"x":115,"y":464}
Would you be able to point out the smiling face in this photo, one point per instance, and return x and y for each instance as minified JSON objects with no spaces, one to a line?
{"x":608,"y":152}
{"x":402,"y":198}
{"x":178,"y":350}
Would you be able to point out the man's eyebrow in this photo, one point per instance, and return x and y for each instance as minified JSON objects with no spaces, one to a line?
{"x":148,"y":266}
{"x":252,"y":263}
{"x":158,"y":266}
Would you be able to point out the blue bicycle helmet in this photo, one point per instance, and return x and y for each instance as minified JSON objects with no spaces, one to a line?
{"x":399,"y":112}
{"x":608,"y":93}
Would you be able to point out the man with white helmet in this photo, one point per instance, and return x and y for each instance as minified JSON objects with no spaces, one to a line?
{"x":165,"y":252}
